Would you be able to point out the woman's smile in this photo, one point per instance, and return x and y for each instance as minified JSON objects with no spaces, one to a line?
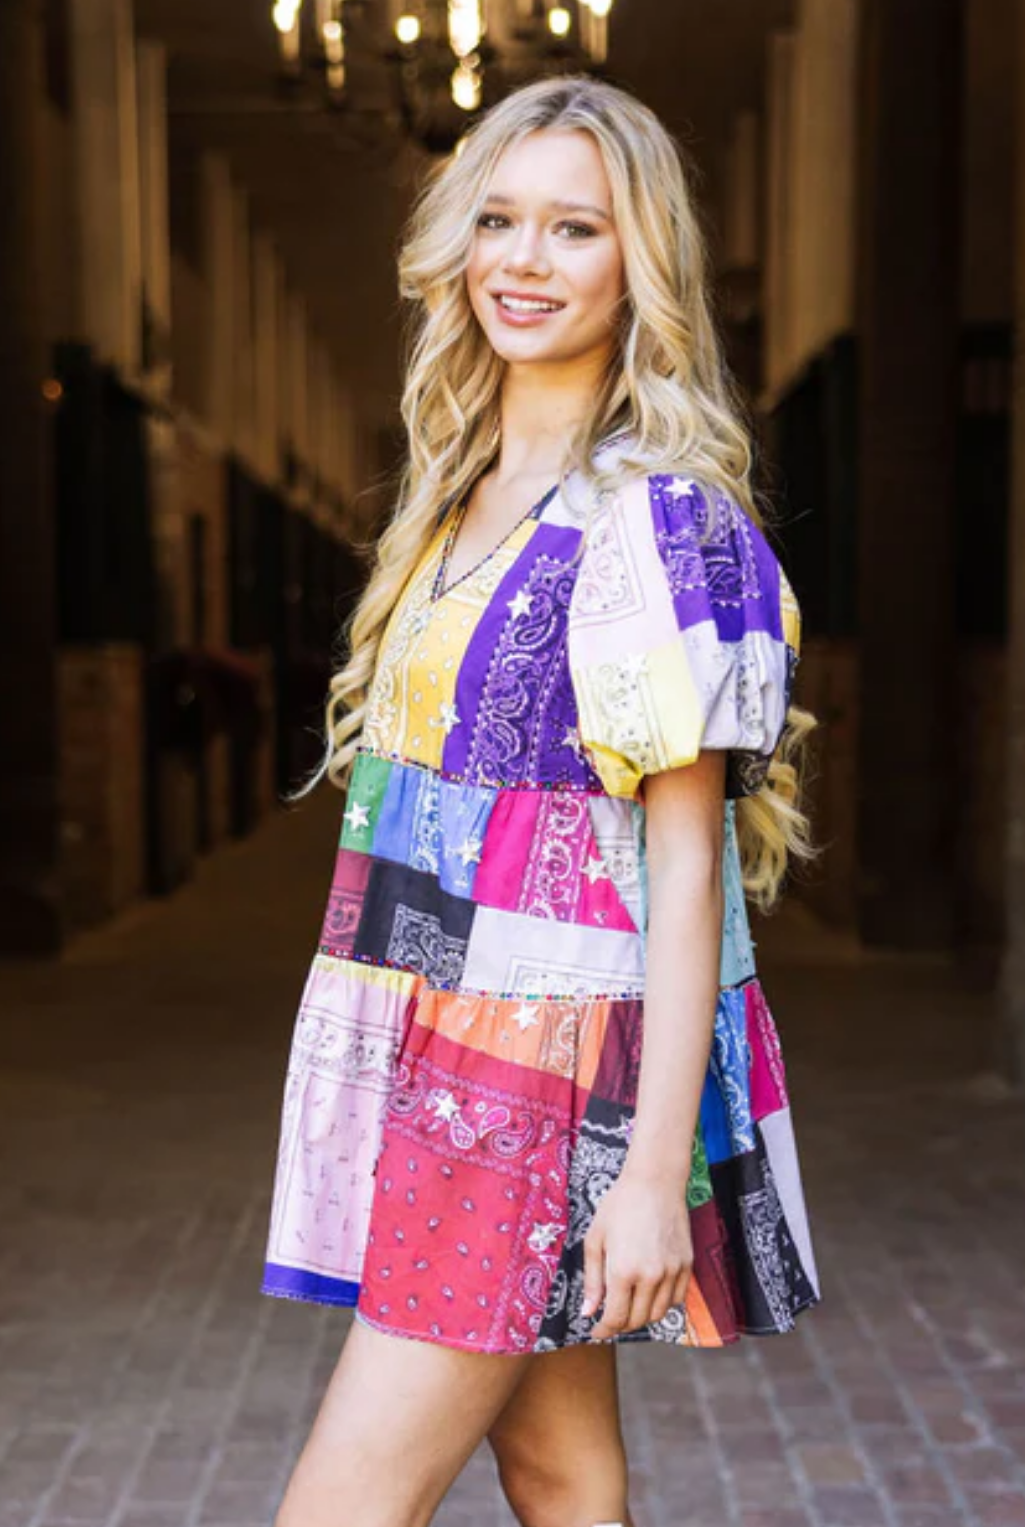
{"x":523,"y":310}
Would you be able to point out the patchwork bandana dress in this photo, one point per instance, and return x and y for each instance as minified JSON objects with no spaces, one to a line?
{"x":463,"y":1076}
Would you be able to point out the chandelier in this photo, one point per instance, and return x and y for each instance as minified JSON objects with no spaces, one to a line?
{"x":448,"y":58}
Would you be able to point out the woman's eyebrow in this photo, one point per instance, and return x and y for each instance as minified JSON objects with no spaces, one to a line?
{"x":559,"y":206}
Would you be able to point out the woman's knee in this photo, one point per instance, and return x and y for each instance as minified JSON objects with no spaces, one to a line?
{"x":571,"y":1488}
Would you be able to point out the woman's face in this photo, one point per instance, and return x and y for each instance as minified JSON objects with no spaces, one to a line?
{"x":545,"y":275}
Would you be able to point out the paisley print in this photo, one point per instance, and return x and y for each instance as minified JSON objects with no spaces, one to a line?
{"x":526,"y":668}
{"x":464,"y":1074}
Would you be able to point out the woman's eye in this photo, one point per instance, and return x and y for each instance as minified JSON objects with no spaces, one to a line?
{"x":577,"y":230}
{"x":496,"y":222}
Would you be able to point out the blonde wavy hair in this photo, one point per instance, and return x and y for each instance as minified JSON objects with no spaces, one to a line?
{"x":666,"y":391}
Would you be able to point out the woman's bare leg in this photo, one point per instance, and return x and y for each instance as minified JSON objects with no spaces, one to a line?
{"x":559,"y":1441}
{"x":399,"y":1420}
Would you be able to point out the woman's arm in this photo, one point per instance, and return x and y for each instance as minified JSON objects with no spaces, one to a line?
{"x":637,"y":1253}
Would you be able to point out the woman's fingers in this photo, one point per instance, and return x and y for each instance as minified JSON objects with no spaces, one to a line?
{"x":680,"y":1284}
{"x":664,"y":1299}
{"x":629,"y":1297}
{"x":633,"y":1301}
{"x":641,"y":1305}
{"x":594,"y":1270}
{"x":616,"y":1314}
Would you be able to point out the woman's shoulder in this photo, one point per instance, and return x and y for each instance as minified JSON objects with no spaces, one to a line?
{"x":682,"y":632}
{"x":686,"y":503}
{"x":695,"y":538}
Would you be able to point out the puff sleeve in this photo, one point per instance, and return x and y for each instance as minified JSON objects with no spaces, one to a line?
{"x":683,"y":634}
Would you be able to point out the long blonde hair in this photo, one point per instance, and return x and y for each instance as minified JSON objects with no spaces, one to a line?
{"x":667,"y":390}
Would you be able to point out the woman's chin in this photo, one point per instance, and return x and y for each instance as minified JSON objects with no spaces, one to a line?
{"x":528,"y":350}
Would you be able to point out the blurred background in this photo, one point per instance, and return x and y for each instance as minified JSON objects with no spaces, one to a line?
{"x":199,"y":374}
{"x":200,"y":377}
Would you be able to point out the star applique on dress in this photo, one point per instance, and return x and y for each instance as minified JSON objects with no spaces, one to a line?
{"x":595,"y":869}
{"x":520,"y":605}
{"x":357,"y":817}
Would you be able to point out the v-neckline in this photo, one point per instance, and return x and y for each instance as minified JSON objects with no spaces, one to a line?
{"x":439,"y":590}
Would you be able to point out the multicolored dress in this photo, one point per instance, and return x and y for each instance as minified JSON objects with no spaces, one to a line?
{"x":463,"y":1076}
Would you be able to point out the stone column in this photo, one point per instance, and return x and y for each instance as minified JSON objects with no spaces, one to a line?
{"x":151,"y":67}
{"x":908,"y":326}
{"x":297,"y":348}
{"x":327,"y":439}
{"x":217,"y":212}
{"x":742,"y":221}
{"x":30,"y":921}
{"x":106,"y":167}
{"x":811,"y":162}
{"x":347,"y":481}
{"x":824,"y":115}
{"x":777,"y":282}
{"x":1012,"y":983}
{"x":318,"y":374}
{"x":244,"y":383}
{"x":169,"y":527}
{"x":268,"y":283}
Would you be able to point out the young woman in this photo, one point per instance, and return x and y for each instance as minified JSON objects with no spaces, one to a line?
{"x":536,"y":1105}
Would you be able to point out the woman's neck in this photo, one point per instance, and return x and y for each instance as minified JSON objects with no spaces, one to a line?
{"x":542,"y":409}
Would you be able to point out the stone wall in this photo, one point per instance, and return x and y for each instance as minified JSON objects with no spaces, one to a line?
{"x":202,"y":501}
{"x":102,"y":781}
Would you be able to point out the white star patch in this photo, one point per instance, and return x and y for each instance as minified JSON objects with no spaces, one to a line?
{"x":471,"y":850}
{"x":681,"y":487}
{"x":357,"y":817}
{"x":526,"y":1016}
{"x":521,"y":604}
{"x":595,"y":869}
{"x":543,"y":1236}
{"x":445,"y":1105}
{"x":450,"y":717}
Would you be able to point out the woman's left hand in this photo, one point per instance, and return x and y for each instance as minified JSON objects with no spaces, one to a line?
{"x":638,"y":1252}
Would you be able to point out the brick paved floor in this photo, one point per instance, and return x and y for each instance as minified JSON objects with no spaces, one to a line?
{"x":145,"y":1383}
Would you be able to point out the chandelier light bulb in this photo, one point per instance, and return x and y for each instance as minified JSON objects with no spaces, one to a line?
{"x":559,"y":21}
{"x":407,"y":29}
{"x":466,"y":88}
{"x":285,"y":15}
{"x":333,"y":34}
{"x":465,"y":27}
{"x":600,"y":7}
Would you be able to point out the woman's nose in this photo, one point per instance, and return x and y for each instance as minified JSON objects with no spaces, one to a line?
{"x":527,"y":252}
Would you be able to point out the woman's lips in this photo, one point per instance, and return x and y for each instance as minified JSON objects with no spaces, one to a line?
{"x":521,"y":311}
